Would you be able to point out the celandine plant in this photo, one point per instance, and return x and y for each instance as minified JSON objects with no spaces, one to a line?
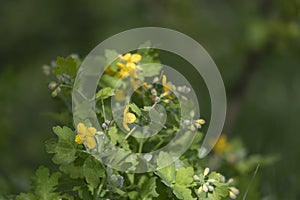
{"x":80,"y":151}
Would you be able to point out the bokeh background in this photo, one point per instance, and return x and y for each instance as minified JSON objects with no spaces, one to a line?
{"x":255,"y":44}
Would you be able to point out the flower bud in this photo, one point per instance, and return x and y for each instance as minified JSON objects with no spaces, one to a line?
{"x":205,"y":188}
{"x":52,"y":85}
{"x":206,"y":171}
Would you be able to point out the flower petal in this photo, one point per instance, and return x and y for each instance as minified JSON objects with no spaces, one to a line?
{"x":135,"y":58}
{"x":130,"y":118}
{"x":90,"y":142}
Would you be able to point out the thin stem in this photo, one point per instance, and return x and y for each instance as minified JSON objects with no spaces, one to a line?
{"x":103,"y":109}
{"x":141,"y":145}
{"x":128,"y":134}
{"x":67,"y":86}
{"x":158,"y":145}
{"x":99,"y":188}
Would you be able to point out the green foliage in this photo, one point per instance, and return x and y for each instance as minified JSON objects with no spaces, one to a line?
{"x":44,"y":186}
{"x":104,"y":93}
{"x":81,"y":174}
{"x":65,"y":149}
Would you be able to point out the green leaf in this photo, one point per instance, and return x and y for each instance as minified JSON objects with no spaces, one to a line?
{"x":167,"y":174}
{"x":45,"y":184}
{"x":133,"y":195}
{"x":135,"y":109}
{"x":184,"y":176}
{"x":51,"y":145}
{"x":108,"y":81}
{"x":65,"y":149}
{"x":105,"y":93}
{"x":65,"y":153}
{"x":93,"y":171}
{"x":74,"y":171}
{"x":150,"y":70}
{"x":66,"y":66}
{"x":149,"y":189}
{"x":117,"y":137}
{"x":221,"y":190}
{"x":64,"y":134}
{"x":181,"y":192}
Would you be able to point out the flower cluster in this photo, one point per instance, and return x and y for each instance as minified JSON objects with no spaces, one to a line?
{"x":128,"y":65}
{"x":207,"y":183}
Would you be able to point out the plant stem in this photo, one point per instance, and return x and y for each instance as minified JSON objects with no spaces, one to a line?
{"x":103,"y":109}
{"x":141,"y":145}
{"x":99,"y":188}
{"x":128,"y":134}
{"x":158,"y":145}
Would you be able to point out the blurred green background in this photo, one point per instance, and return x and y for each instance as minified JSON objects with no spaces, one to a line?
{"x":255,"y":44}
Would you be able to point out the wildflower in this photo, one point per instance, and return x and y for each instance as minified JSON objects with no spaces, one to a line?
{"x":166,"y":87}
{"x":52,"y":85}
{"x":130,"y":67}
{"x":131,"y":58}
{"x":196,"y":178}
{"x":183,"y":89}
{"x":207,"y":185}
{"x":128,"y":118}
{"x":199,"y":122}
{"x":86,"y":135}
{"x":222,"y":145}
{"x":155,"y":79}
{"x":154,"y":92}
{"x":55,"y":92}
{"x":46,"y":70}
{"x":105,"y":125}
{"x":233,"y":192}
{"x":78,"y":139}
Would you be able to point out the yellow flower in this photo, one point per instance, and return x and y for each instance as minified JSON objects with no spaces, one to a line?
{"x":134,"y":58}
{"x":128,"y":118}
{"x":167,"y":87}
{"x":126,"y":70}
{"x":86,"y":135}
{"x":200,"y":121}
{"x":129,"y":67}
{"x":222,"y":145}
{"x":146,"y":85}
{"x":78,"y":139}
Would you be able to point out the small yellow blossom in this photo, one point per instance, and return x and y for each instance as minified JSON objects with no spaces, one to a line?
{"x":128,"y":118}
{"x":200,"y":121}
{"x":126,"y":70}
{"x":167,"y":87}
{"x":130,"y":65}
{"x":78,"y":139}
{"x":222,"y":145}
{"x":86,"y":135}
{"x":133,"y":58}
